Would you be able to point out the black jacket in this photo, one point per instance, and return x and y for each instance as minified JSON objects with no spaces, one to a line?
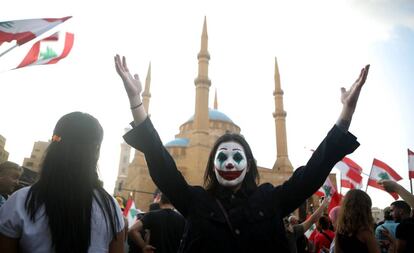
{"x":257,"y":216}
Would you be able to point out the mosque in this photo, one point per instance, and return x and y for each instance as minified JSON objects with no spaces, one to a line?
{"x":191,"y":146}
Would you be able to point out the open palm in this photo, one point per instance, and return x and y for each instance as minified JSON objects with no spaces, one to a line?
{"x":132,"y":84}
{"x":349,"y":97}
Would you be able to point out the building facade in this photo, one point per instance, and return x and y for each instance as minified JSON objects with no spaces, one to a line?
{"x":33,"y":162}
{"x":4,"y":155}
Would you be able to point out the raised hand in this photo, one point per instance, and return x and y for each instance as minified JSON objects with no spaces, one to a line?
{"x":132,"y":84}
{"x":133,"y":88}
{"x":389,"y":185}
{"x":349,"y":99}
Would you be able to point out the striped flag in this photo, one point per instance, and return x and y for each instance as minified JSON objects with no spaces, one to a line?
{"x":381,"y":170}
{"x":410,"y":164}
{"x":350,"y":173}
{"x":48,"y":51}
{"x":25,"y":30}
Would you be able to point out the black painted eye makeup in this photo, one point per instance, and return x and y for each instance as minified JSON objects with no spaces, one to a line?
{"x":238,"y":157}
{"x":221,"y":157}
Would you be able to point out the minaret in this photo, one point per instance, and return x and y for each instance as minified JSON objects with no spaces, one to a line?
{"x":146,"y":95}
{"x":123,"y":166}
{"x":282,"y":162}
{"x":215,"y":100}
{"x":202,"y":83}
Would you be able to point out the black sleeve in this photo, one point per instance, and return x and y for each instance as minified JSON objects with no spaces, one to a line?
{"x":403,"y":231}
{"x":147,"y":220}
{"x":307,"y":179}
{"x":161,"y":165}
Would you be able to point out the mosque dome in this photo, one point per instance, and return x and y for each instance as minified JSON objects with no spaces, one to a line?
{"x":178,"y":142}
{"x":214,"y":114}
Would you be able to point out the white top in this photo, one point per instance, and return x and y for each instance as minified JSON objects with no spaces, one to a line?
{"x":35,"y":237}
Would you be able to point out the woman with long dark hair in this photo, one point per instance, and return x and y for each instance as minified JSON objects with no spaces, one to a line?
{"x":233,"y":213}
{"x":355,"y":225}
{"x":67,"y":210}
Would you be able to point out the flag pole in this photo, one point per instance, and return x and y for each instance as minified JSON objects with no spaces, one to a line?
{"x":366,"y":189}
{"x":8,"y":50}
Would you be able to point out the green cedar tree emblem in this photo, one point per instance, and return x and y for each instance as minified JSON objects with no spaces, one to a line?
{"x":48,"y":54}
{"x":383,"y":175}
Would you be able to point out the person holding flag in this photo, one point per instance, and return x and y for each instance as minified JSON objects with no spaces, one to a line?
{"x":393,"y":187}
{"x":382,"y":171}
{"x":232,"y":213}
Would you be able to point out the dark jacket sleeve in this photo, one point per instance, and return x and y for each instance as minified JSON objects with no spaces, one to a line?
{"x":161,"y":165}
{"x":307,"y":179}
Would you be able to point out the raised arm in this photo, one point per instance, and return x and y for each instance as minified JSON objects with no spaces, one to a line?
{"x":145,"y":138}
{"x":339,"y":142}
{"x":392,"y":186}
{"x":316,"y":215}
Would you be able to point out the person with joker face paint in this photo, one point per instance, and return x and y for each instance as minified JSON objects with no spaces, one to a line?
{"x":230,"y":164}
{"x":232,"y":212}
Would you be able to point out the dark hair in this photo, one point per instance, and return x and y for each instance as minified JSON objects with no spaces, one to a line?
{"x":154,"y":206}
{"x":164,"y":199}
{"x":324,"y":222}
{"x":401,"y":204}
{"x":387,"y":213}
{"x":69,"y":183}
{"x":251,"y":179}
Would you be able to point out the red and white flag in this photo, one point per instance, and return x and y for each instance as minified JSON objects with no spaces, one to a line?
{"x":25,"y":30}
{"x":381,"y":170}
{"x":131,"y":212}
{"x":48,"y":51}
{"x":350,"y":173}
{"x":328,"y":190}
{"x":410,"y":164}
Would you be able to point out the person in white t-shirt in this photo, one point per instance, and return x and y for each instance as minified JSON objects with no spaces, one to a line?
{"x":67,"y":210}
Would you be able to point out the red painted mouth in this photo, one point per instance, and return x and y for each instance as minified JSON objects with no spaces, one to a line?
{"x":230,"y":175}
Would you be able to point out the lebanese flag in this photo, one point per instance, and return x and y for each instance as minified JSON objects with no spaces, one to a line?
{"x":329,"y":190}
{"x":27,"y":29}
{"x":410,"y":164}
{"x":350,"y":173}
{"x":381,"y":170}
{"x":130,"y":212}
{"x":45,"y":51}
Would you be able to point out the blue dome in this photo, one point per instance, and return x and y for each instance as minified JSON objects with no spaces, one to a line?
{"x":179,"y":142}
{"x":215,"y":115}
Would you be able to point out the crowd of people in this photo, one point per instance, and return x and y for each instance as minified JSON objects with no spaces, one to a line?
{"x":68,"y":211}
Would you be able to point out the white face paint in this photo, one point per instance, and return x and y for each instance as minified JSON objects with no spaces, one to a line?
{"x":230,"y":164}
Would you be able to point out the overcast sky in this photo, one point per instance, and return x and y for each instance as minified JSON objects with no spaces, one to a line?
{"x":320,"y":46}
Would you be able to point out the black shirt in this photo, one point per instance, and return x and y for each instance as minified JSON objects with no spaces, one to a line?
{"x":405,"y":231}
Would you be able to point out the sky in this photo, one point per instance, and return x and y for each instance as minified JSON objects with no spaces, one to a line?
{"x":320,"y":46}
